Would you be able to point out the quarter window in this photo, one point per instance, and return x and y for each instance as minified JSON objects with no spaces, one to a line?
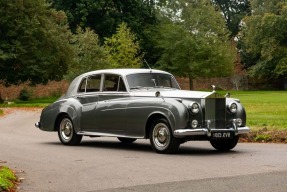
{"x":82,"y":87}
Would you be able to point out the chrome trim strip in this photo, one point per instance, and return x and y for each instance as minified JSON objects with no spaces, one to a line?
{"x":207,"y":131}
{"x":100,"y":134}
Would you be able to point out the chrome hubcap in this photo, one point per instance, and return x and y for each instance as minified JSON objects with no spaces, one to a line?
{"x":66,"y":128}
{"x":161,"y":136}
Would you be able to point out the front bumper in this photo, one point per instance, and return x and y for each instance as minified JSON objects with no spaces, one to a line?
{"x":208,"y":132}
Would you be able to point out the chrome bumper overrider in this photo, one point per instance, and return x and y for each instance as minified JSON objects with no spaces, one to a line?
{"x":207,"y":132}
{"x":38,"y":125}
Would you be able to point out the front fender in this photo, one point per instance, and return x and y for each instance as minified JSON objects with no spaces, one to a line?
{"x":179,"y":114}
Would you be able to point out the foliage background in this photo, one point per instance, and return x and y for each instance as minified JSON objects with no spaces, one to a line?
{"x":47,"y":40}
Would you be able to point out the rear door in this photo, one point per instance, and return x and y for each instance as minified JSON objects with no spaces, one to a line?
{"x":88,"y":96}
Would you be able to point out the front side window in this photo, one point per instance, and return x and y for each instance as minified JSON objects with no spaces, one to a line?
{"x":114,"y":83}
{"x":122,"y":86}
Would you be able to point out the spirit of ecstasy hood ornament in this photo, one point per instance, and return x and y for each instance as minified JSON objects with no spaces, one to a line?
{"x":213,"y":88}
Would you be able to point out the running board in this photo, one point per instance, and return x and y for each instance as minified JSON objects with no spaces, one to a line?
{"x":99,"y":134}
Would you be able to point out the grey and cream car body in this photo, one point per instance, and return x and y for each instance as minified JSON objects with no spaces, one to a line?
{"x":135,"y":104}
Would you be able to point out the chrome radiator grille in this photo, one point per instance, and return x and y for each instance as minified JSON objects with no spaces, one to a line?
{"x":215,"y":112}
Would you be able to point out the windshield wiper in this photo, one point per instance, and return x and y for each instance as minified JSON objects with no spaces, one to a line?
{"x":140,"y":87}
{"x":164,"y":87}
{"x":137,"y":87}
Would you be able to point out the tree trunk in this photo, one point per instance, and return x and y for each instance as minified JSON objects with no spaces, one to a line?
{"x":1,"y":100}
{"x":190,"y":82}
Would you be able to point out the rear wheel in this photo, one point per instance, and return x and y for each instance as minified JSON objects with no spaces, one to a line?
{"x":161,"y":138}
{"x":126,"y":140}
{"x":224,"y":144}
{"x":66,"y":132}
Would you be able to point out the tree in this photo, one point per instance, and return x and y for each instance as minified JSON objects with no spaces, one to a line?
{"x":263,"y":49}
{"x":33,"y":42}
{"x":89,"y":55}
{"x":195,"y":41}
{"x":104,"y":16}
{"x":123,"y":48}
{"x":233,"y":12}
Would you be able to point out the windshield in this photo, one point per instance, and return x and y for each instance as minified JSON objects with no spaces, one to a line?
{"x":151,"y":80}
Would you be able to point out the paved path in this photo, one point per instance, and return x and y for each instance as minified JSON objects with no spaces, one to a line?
{"x":107,"y":165}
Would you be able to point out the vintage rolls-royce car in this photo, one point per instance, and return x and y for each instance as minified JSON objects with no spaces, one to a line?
{"x":135,"y":104}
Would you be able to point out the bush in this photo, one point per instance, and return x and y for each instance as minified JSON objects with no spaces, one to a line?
{"x":24,"y":95}
{"x":262,"y":138}
{"x":52,"y":88}
{"x":7,"y":178}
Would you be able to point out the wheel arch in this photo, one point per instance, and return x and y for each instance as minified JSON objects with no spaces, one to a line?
{"x":58,"y":119}
{"x":69,"y":111}
{"x":151,"y":119}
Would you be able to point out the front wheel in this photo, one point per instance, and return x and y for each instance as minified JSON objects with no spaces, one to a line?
{"x":66,"y":132}
{"x":161,"y":138}
{"x":224,"y":144}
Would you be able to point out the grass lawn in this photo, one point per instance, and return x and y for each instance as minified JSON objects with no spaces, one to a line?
{"x":41,"y":102}
{"x":265,"y":109}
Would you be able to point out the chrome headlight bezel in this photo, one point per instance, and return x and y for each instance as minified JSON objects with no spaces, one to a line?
{"x":232,"y":107}
{"x":194,"y":108}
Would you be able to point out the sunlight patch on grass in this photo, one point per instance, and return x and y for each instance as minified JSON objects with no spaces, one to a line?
{"x":265,"y":109}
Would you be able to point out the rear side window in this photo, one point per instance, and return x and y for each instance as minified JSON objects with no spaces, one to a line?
{"x":90,"y":84}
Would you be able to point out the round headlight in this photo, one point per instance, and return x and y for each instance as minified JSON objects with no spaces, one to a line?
{"x":232,"y":107}
{"x":194,"y":108}
{"x":194,"y":123}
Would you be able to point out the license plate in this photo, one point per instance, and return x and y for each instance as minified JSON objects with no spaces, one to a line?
{"x":222,"y":135}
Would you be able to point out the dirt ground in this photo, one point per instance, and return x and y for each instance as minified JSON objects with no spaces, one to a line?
{"x":265,"y":136}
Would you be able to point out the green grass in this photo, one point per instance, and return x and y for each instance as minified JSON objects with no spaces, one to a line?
{"x":1,"y":112}
{"x":41,"y":102}
{"x":265,"y":109}
{"x":7,"y":179}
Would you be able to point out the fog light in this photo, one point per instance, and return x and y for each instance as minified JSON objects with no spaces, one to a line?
{"x":194,"y":123}
{"x":238,"y":122}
